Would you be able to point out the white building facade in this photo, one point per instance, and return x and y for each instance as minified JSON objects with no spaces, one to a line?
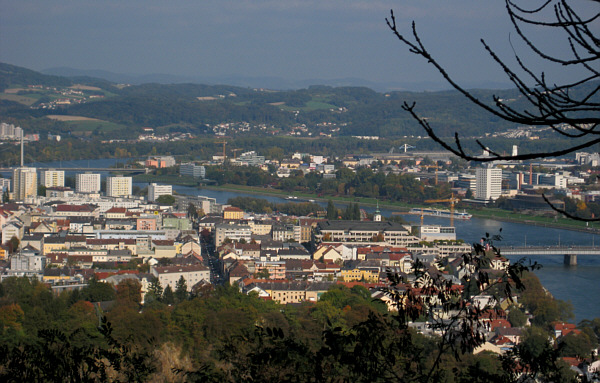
{"x":88,"y":183}
{"x":25,"y":183}
{"x":155,"y":191}
{"x":52,"y":178}
{"x":488,"y":183}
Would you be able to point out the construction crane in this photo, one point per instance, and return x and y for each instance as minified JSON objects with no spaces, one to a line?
{"x":235,"y":152}
{"x":436,"y":167}
{"x":224,"y":143}
{"x":452,"y":201}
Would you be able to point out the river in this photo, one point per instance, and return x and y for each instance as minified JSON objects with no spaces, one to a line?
{"x":578,"y":284}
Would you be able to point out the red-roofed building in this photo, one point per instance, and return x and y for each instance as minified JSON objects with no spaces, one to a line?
{"x":232,"y":212}
{"x":75,"y":210}
{"x":116,"y":212}
{"x":562,"y":329}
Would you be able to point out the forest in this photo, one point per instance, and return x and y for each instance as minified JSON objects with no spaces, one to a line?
{"x":217,"y":334}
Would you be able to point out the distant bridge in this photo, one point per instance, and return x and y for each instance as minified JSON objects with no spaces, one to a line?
{"x":119,"y":170}
{"x":570,"y":253}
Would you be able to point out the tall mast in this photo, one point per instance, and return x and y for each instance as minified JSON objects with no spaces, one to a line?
{"x":21,"y":148}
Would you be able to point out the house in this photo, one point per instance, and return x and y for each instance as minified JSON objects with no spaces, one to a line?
{"x":233,"y":213}
{"x":75,"y":210}
{"x":190,"y":246}
{"x":12,"y":229}
{"x":164,"y":248}
{"x":327,"y":254}
{"x":116,"y":213}
{"x":238,"y":271}
{"x":561,"y":329}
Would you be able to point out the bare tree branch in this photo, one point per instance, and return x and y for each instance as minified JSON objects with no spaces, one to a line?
{"x":564,"y":108}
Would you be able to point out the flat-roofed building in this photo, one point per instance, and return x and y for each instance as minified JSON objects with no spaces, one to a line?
{"x":118,"y":186}
{"x":192,"y":170}
{"x":88,"y":183}
{"x":233,"y":232}
{"x":155,"y":191}
{"x":170,"y":275}
{"x":25,"y":183}
{"x":392,"y":233}
{"x":52,"y":178}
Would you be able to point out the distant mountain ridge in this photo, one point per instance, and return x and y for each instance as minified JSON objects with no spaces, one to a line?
{"x":276,"y":83}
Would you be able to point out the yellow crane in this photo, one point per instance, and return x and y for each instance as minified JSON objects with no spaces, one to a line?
{"x":235,"y":152}
{"x":452,"y":201}
{"x":436,"y":167}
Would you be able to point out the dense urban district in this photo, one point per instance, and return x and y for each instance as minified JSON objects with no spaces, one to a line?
{"x":105,"y":280}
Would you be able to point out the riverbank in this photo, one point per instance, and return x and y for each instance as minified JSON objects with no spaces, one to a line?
{"x":490,"y":213}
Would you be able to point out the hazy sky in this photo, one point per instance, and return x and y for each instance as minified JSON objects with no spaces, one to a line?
{"x":292,"y":39}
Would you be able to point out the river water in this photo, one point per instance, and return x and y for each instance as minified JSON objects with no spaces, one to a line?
{"x":578,"y":284}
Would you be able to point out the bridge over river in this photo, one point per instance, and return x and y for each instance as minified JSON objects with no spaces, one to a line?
{"x":569,"y":252}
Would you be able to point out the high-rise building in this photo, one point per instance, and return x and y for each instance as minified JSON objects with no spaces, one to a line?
{"x":488,"y":183}
{"x":118,"y":186}
{"x":24,"y":183}
{"x":88,"y":183}
{"x":52,"y":178}
{"x":155,"y":191}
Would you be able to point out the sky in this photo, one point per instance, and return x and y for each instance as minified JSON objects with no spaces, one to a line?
{"x":291,"y":39}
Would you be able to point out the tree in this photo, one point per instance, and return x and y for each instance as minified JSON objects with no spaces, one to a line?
{"x":332,"y":212}
{"x":570,"y":109}
{"x":166,"y":199}
{"x":181,"y":289}
{"x":453,"y":314}
{"x":155,"y":291}
{"x":168,"y":297}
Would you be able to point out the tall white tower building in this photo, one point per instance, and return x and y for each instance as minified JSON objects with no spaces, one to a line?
{"x":25,"y":183}
{"x":88,"y":183}
{"x":488,"y":183}
{"x":118,"y":186}
{"x":52,"y":178}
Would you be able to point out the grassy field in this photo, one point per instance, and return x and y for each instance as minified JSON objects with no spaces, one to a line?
{"x":25,"y":100}
{"x":91,"y":125}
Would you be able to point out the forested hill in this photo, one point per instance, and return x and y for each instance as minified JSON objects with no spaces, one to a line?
{"x":193,"y":108}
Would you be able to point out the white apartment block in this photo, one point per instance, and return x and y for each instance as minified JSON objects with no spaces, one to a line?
{"x":25,"y":183}
{"x":233,"y":232}
{"x":88,"y":183}
{"x":170,"y":275}
{"x":118,"y":186}
{"x":488,"y":183}
{"x":155,"y":191}
{"x":52,"y":178}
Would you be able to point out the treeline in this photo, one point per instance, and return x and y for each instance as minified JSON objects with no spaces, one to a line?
{"x":262,"y":206}
{"x":221,"y":335}
{"x":364,"y":183}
